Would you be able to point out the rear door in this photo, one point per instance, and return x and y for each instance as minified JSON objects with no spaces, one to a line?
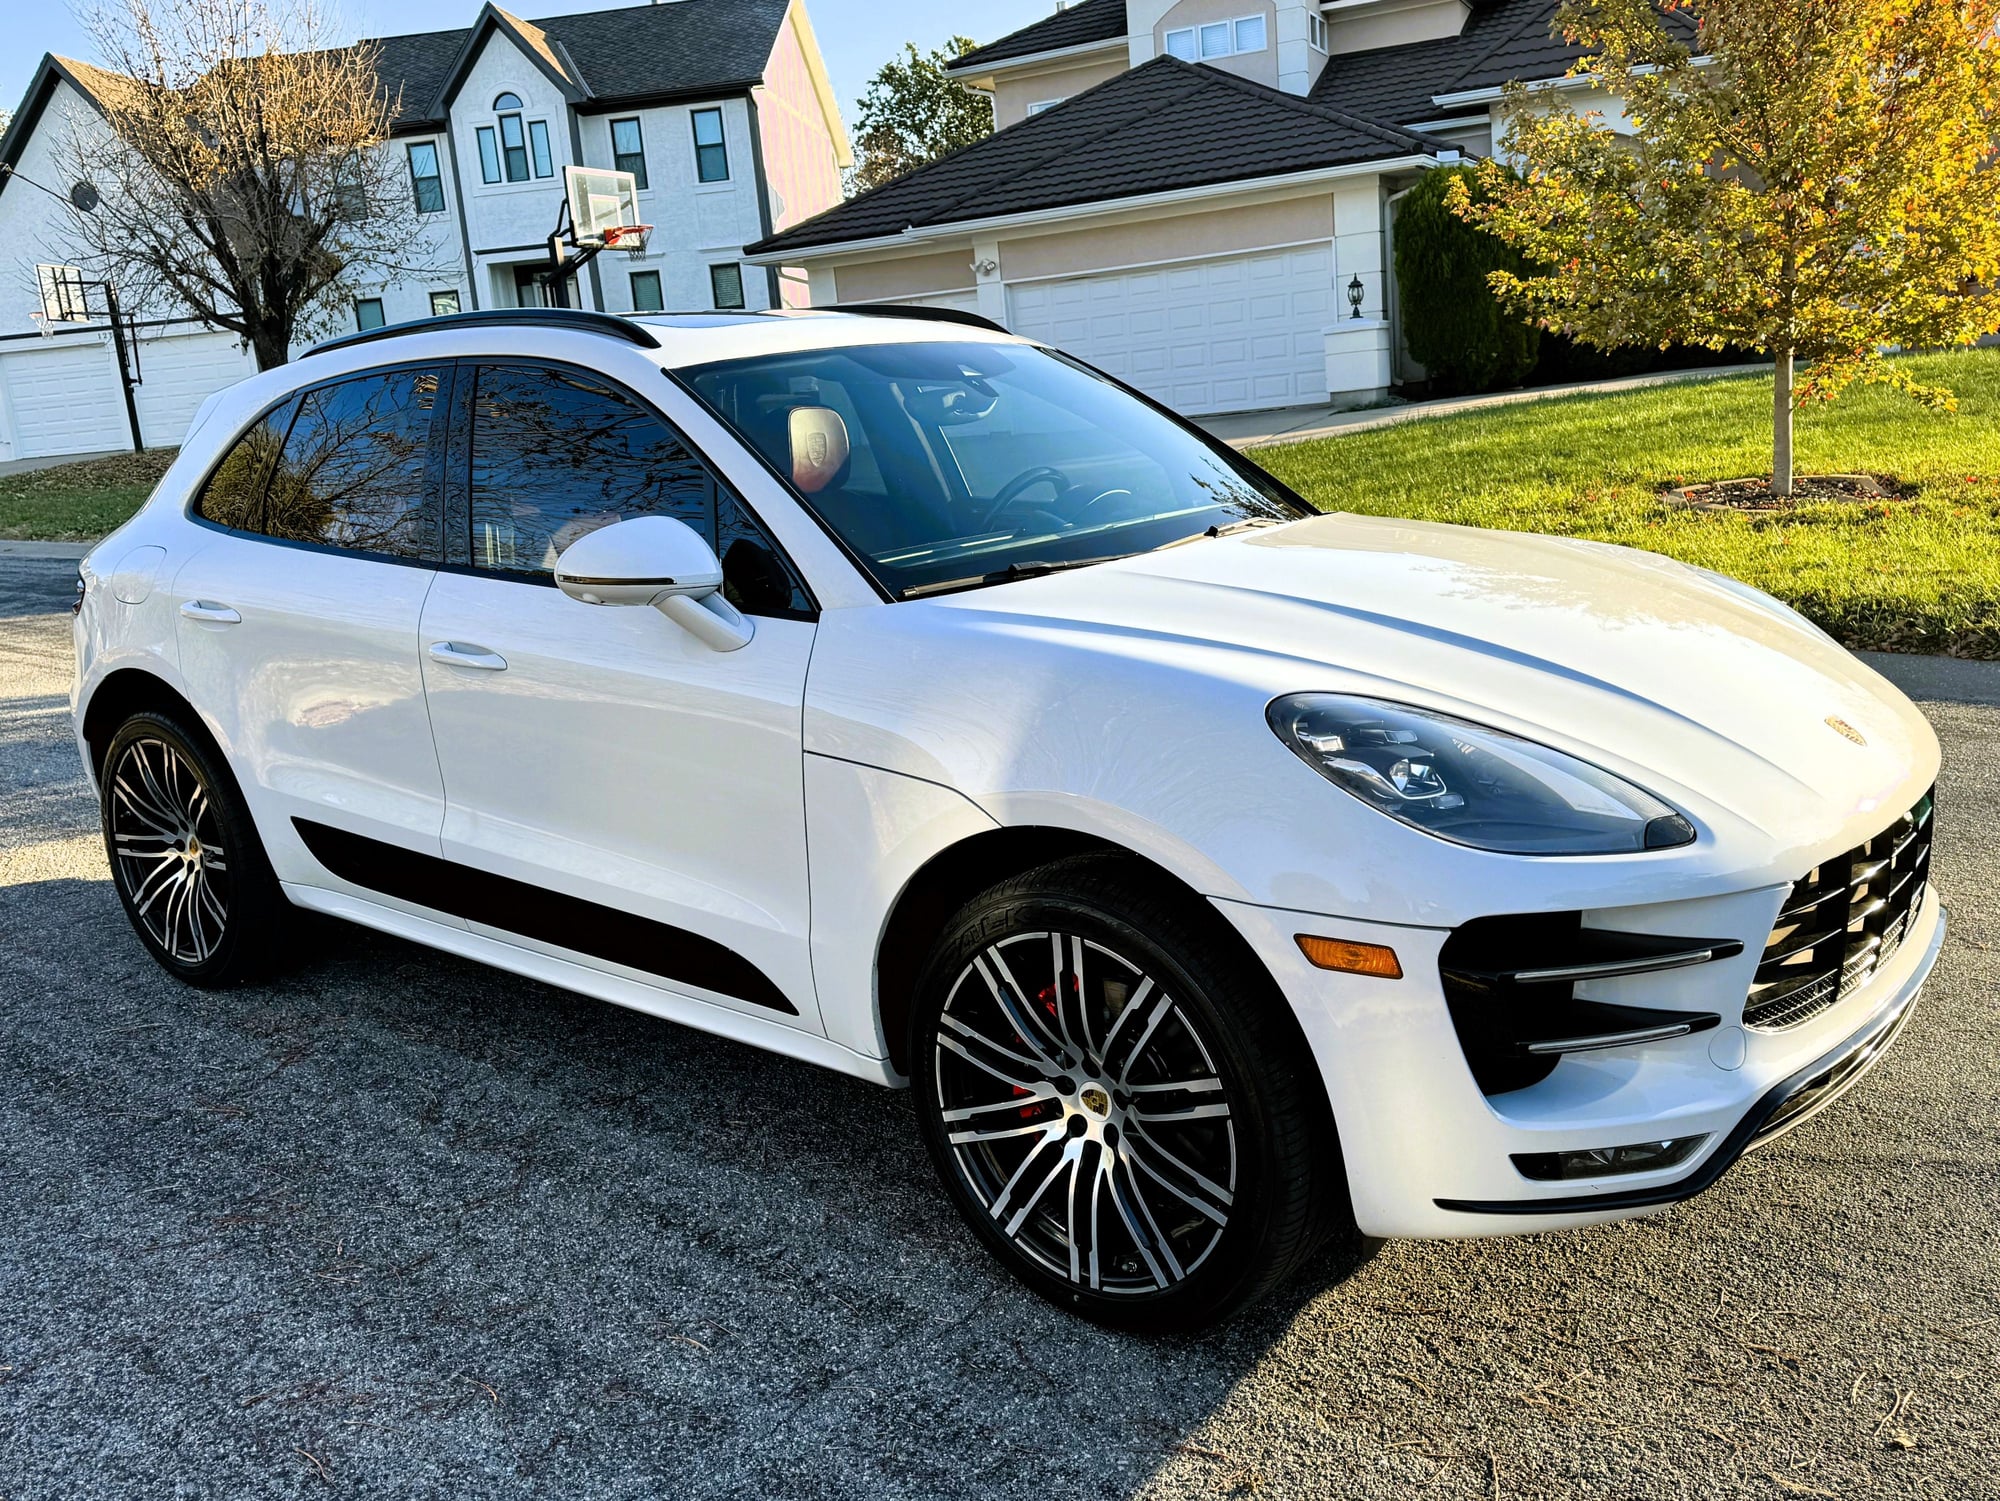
{"x":616,"y":792}
{"x":299,"y":615}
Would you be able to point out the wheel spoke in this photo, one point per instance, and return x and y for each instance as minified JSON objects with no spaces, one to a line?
{"x":1133,"y":1003}
{"x":1037,"y":1067}
{"x":1190,"y":1113}
{"x":1035,"y":1081}
{"x":1013,"y":1003}
{"x":158,"y":879}
{"x":1157,"y":1014}
{"x":1216,"y":1192}
{"x":1216,"y":1209}
{"x":995,"y":1133}
{"x":973,"y":1112}
{"x":1126,"y":1199}
{"x":1192,"y":1086}
{"x":141,"y":808}
{"x":1051,"y":1133}
{"x":1064,"y":1159}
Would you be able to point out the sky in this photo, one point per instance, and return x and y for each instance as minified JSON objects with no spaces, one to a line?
{"x":857,"y":36}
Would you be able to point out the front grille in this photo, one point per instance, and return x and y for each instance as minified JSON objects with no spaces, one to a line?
{"x":1841,"y":922}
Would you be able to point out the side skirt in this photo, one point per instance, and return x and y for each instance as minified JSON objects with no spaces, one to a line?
{"x":565,"y":974}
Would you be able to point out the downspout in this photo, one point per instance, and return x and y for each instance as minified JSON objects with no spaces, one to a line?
{"x":763,"y":186}
{"x":458,"y":202}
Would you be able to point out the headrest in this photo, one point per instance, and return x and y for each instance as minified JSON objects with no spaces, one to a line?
{"x":819,"y":448}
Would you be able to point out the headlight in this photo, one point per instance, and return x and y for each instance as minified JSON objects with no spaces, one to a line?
{"x":1470,"y":784}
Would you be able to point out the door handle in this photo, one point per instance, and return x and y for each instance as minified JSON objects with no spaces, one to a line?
{"x":209,"y":611}
{"x":458,"y":654}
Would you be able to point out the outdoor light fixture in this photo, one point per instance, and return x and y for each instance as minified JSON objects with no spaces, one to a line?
{"x":1354,"y":295}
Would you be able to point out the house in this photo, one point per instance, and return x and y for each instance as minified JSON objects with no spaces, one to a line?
{"x":721,"y":108}
{"x":1196,"y":196}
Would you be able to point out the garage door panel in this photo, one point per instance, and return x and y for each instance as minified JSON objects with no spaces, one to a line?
{"x":63,"y":397}
{"x":179,"y":373}
{"x":1208,"y":336}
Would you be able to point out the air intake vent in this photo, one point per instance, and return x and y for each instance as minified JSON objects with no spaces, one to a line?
{"x":1840,"y":923}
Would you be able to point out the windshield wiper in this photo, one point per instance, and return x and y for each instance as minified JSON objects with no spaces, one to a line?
{"x":1033,"y":568}
{"x":1224,"y":529}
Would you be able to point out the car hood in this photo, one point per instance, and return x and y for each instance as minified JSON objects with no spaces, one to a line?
{"x":1683,"y":680}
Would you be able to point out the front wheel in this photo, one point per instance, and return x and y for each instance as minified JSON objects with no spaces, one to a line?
{"x":1122,"y":1111}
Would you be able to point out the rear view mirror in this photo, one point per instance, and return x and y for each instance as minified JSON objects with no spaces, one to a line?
{"x":658,"y":561}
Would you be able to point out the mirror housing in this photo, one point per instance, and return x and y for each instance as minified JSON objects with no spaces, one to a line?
{"x":658,"y":561}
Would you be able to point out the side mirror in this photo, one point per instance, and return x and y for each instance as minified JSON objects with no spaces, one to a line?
{"x":658,"y":561}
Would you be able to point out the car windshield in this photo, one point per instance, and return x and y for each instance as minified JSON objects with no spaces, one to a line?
{"x":948,"y":465}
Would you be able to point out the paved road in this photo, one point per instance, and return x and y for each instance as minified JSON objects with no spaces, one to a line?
{"x":401,"y":1227}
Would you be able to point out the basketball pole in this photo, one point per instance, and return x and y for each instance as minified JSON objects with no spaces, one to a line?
{"x":125,"y":380}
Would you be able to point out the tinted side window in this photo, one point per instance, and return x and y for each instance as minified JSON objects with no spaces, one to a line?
{"x":234,"y":494}
{"x":557,"y":453}
{"x":355,"y":471}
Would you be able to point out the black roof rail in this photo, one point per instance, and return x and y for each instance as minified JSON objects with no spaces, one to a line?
{"x":579,"y":319}
{"x":905,"y":310}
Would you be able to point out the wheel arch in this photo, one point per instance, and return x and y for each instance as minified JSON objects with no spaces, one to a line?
{"x":131,"y":690}
{"x":955,"y":874}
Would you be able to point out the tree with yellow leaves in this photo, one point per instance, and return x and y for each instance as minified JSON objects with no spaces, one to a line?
{"x":1810,"y":178}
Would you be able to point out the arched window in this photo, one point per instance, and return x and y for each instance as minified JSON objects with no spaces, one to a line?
{"x":506,"y":102}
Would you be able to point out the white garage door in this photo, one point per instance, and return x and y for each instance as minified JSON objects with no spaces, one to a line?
{"x":1210,"y":336}
{"x":180,"y":372}
{"x":62,"y":396}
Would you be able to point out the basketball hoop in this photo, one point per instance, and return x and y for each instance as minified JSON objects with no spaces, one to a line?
{"x":630,"y":238}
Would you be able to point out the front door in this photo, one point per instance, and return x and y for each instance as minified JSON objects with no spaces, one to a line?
{"x":627,"y":796}
{"x":299,"y":614}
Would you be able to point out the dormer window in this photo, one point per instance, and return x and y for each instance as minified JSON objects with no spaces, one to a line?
{"x":1316,"y":32}
{"x":512,"y":149}
{"x":1219,"y":39}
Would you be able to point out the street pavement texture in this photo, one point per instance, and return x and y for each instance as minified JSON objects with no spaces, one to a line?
{"x":400,"y":1226}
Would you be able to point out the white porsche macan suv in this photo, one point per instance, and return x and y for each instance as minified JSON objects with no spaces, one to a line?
{"x":1228,"y":879}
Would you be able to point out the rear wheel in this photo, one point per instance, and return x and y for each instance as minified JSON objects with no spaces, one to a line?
{"x":1122,"y":1113}
{"x":184,"y":854}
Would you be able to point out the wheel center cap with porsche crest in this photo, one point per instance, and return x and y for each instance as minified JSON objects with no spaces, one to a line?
{"x":1842,"y":728}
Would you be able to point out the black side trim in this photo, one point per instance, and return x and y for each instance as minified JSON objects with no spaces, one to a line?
{"x":1783,"y":1105}
{"x":551,"y":917}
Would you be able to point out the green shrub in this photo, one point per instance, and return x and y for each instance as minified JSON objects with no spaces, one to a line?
{"x":1452,"y":323}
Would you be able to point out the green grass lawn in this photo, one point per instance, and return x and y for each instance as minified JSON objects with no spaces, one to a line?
{"x":1919,"y":574}
{"x":79,"y":502}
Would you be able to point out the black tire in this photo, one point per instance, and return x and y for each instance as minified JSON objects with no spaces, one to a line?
{"x":1250,"y":1139}
{"x":190,"y":870}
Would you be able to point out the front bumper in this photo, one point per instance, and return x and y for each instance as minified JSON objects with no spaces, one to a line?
{"x":1427,"y":1154}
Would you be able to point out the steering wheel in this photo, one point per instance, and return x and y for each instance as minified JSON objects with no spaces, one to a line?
{"x":1021,"y":484}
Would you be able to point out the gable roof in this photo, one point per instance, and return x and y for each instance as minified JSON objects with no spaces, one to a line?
{"x":1078,"y":26}
{"x":88,"y":81}
{"x":1163,"y":126}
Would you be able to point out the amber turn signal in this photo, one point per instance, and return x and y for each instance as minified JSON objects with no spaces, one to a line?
{"x":1351,"y":958}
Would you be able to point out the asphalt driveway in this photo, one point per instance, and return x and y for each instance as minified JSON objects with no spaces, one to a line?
{"x":403,"y":1227}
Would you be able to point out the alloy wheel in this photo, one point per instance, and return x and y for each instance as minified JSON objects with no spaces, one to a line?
{"x":166,"y":839}
{"x":1084,"y":1110}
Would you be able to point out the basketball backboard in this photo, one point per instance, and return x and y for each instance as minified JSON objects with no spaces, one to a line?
{"x":601,"y":200}
{"x":62,"y":294}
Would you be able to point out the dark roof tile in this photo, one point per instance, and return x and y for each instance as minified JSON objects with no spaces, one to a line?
{"x":1079,"y":26}
{"x":1163,"y":126}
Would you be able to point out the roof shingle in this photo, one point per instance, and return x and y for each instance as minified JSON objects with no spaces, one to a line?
{"x":1079,"y":26}
{"x":1163,"y":126}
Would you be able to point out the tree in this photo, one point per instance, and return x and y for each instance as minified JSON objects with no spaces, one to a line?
{"x":1454,"y":325}
{"x":243,"y":169}
{"x":1809,"y":178}
{"x":914,"y":112}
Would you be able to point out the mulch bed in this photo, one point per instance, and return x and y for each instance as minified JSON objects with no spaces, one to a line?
{"x":1755,"y":493}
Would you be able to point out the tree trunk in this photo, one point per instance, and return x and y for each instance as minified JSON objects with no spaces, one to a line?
{"x":272,"y":346}
{"x":1781,"y":424}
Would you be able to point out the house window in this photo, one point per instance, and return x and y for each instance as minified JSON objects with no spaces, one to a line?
{"x":514,"y":148}
{"x":1316,"y":32}
{"x":426,"y":185}
{"x":538,"y":142}
{"x":489,"y":154}
{"x":1041,"y":104}
{"x":444,"y":303}
{"x":1226,"y":38}
{"x":368,"y":313}
{"x":646,"y":292}
{"x":711,"y":157}
{"x":628,"y":150}
{"x":726,"y":282}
